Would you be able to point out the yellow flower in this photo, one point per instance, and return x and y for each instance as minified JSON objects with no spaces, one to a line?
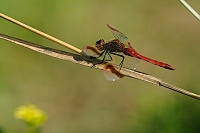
{"x":31,"y":115}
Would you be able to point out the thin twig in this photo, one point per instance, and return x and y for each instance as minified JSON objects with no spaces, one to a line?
{"x":190,"y":9}
{"x":83,"y":60}
{"x":42,"y":34}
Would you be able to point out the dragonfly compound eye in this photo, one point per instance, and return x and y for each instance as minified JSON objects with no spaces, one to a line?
{"x":100,"y":44}
{"x":100,"y":41}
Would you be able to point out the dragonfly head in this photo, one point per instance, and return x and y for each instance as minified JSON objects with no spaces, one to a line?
{"x":100,"y":44}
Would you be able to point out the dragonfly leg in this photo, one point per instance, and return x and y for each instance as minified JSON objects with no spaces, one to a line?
{"x":99,"y":57}
{"x":106,"y":52}
{"x":110,"y":57}
{"x":120,"y":56}
{"x":102,"y":53}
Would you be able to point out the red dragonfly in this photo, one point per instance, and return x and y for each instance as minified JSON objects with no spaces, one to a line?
{"x":117,"y":47}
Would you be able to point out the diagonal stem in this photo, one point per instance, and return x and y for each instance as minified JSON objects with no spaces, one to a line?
{"x":190,"y":9}
{"x":42,"y":34}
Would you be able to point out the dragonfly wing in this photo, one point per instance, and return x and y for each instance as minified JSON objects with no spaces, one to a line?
{"x":131,"y":62}
{"x":111,"y":73}
{"x":117,"y":34}
{"x":91,"y":51}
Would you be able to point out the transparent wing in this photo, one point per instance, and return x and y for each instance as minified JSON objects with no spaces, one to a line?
{"x":91,"y":51}
{"x":112,"y":74}
{"x":117,"y":34}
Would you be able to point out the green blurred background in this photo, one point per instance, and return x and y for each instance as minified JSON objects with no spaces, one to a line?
{"x":79,"y":99}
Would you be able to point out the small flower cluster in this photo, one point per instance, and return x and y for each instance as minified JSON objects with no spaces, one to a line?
{"x":31,"y":115}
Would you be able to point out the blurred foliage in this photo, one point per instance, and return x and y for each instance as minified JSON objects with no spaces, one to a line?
{"x":79,"y":99}
{"x":1,"y":130}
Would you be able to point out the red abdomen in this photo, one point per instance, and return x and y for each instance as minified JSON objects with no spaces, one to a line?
{"x":130,"y":52}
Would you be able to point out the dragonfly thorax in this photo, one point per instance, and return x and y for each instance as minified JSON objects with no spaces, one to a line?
{"x":110,"y":46}
{"x":114,"y":46}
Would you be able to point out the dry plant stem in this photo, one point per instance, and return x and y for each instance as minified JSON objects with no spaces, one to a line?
{"x":79,"y":59}
{"x":42,"y":34}
{"x":190,"y":9}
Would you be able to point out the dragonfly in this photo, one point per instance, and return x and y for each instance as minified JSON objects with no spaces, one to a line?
{"x":118,"y":47}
